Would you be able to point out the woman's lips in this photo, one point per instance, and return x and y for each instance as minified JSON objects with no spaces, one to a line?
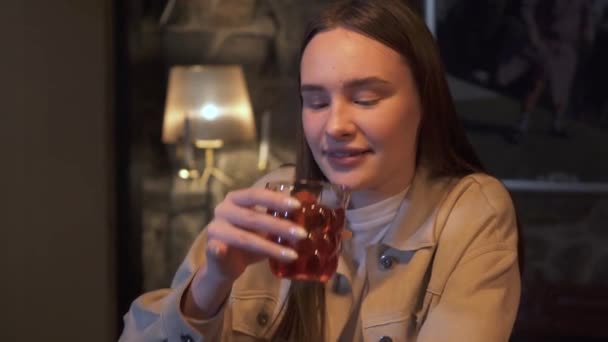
{"x":346,"y":157}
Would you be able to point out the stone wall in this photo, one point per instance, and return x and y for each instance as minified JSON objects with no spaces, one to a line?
{"x":250,"y":32}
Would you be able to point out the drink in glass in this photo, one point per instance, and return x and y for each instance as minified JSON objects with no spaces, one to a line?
{"x":322,"y":215}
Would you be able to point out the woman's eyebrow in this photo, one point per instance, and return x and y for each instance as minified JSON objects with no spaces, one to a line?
{"x":365,"y":82}
{"x":349,"y":84}
{"x":311,"y":88}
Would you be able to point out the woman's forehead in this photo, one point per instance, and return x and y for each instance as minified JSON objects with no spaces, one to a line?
{"x":339,"y":55}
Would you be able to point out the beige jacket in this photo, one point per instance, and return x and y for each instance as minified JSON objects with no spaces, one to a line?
{"x":446,"y":271}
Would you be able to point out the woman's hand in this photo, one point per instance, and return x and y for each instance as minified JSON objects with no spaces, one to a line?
{"x":237,"y":238}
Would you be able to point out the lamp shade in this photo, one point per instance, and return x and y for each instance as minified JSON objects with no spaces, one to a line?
{"x":215,"y":101}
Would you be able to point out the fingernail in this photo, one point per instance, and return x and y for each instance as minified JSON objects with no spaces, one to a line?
{"x":298,"y":232}
{"x":293,"y":203}
{"x":289,"y":254}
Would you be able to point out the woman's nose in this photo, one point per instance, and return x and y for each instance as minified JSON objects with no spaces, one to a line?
{"x":339,"y":124}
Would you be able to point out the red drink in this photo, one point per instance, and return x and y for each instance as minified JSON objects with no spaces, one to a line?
{"x":318,"y":253}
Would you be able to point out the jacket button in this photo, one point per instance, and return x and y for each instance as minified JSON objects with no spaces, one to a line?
{"x":386,"y":263}
{"x":186,"y":338}
{"x":262,"y":319}
{"x":385,"y":339}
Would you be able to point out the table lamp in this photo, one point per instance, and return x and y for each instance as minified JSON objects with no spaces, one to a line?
{"x":207,"y":107}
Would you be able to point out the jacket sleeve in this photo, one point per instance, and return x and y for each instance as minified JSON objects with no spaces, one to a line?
{"x":479,"y":297}
{"x":157,"y":315}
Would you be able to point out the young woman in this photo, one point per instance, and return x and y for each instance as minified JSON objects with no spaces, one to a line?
{"x":433,"y":256}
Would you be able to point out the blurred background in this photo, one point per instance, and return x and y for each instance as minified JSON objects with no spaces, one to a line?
{"x":127,"y":121}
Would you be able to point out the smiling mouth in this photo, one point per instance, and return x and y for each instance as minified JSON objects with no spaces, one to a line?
{"x":345,"y":153}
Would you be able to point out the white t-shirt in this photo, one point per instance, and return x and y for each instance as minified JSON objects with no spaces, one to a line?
{"x":368,"y":225}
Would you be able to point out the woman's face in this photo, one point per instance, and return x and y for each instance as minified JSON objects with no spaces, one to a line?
{"x":360,"y":113}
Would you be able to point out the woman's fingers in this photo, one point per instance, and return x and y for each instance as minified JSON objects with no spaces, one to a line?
{"x":248,"y":241}
{"x":262,"y":197}
{"x":236,"y":236}
{"x":260,"y":222}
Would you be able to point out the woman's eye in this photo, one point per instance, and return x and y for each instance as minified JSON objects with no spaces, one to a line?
{"x":316,"y":102}
{"x":318,"y":105}
{"x":365,"y":97}
{"x":366,"y":102}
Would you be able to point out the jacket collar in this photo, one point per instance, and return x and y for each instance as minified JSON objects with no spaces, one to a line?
{"x":413,"y":227}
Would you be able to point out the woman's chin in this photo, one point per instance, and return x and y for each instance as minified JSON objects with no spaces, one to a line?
{"x":355,"y":178}
{"x":352,"y":183}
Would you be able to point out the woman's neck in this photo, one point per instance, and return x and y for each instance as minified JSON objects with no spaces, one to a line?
{"x":365,"y":197}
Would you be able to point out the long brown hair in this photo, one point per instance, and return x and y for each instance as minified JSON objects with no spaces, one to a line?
{"x":442,"y":143}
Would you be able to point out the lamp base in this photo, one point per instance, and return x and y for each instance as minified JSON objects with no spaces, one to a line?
{"x":210,"y":170}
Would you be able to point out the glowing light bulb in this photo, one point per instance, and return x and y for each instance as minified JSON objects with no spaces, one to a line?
{"x":184,"y":174}
{"x":210,"y":111}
